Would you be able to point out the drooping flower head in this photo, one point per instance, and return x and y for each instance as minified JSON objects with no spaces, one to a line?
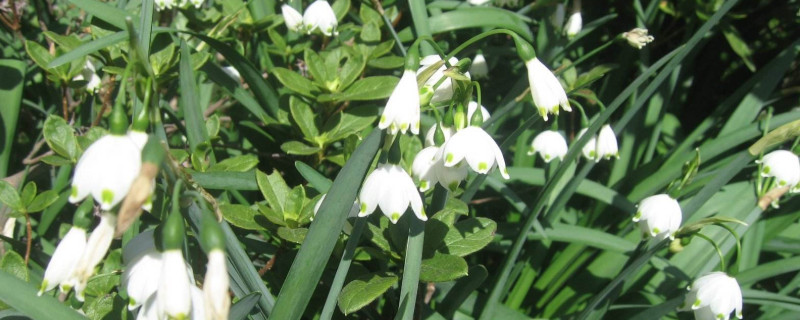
{"x":429,"y":169}
{"x":392,"y":189}
{"x":550,"y":145}
{"x":548,"y":94}
{"x":784,"y":166}
{"x":89,"y":75}
{"x":320,"y":16}
{"x":292,"y":18}
{"x":174,"y":291}
{"x":473,"y":145}
{"x":216,"y":283}
{"x":574,"y":24}
{"x":94,"y":252}
{"x":638,"y":38}
{"x":69,"y":251}
{"x":402,"y":109}
{"x":479,"y":68}
{"x":713,"y":297}
{"x":659,"y":216}
{"x":601,"y":146}
{"x":108,"y":167}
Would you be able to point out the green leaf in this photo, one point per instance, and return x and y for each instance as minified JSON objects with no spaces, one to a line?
{"x":370,"y":32}
{"x":242,"y":163}
{"x":14,"y":264}
{"x":480,"y":17}
{"x":352,"y":121}
{"x":241,"y":216}
{"x":299,"y":148}
{"x":317,"y":69}
{"x":296,"y":235}
{"x":739,"y":46}
{"x":363,"y":290}
{"x":193,"y":114}
{"x":212,"y":125}
{"x":22,"y":296}
{"x":293,"y":207}
{"x":442,"y":268}
{"x":468,"y":236}
{"x":11,"y":87}
{"x":60,"y":137}
{"x":296,"y":82}
{"x":42,"y":201}
{"x":98,"y":308}
{"x":244,"y":306}
{"x":226,"y":180}
{"x":10,"y":197}
{"x":28,"y":193}
{"x":38,"y":54}
{"x":305,"y":118}
{"x":106,"y":12}
{"x":315,"y":179}
{"x":56,"y":160}
{"x":308,"y":265}
{"x":593,"y":75}
{"x":370,"y":88}
{"x":273,"y":188}
{"x":272,"y":216}
{"x":387,"y":63}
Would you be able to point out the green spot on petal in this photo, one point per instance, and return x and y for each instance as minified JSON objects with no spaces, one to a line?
{"x":765,"y":170}
{"x":383,"y":119}
{"x":74,"y":192}
{"x":363,"y":207}
{"x":592,"y":154}
{"x":547,"y":157}
{"x":696,"y":303}
{"x":395,"y":217}
{"x":404,"y":126}
{"x":483,"y":166}
{"x":638,"y":215}
{"x":423,"y":184}
{"x":107,"y":196}
{"x":720,"y":316}
{"x":656,"y":230}
{"x":449,"y":158}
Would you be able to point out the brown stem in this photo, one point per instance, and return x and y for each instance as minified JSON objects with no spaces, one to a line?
{"x":64,"y":102}
{"x":29,"y":230}
{"x":269,"y":265}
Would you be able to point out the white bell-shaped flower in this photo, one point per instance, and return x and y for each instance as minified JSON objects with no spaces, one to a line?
{"x":96,"y":249}
{"x":392,"y":189}
{"x":320,"y":16}
{"x":548,"y":94}
{"x":574,"y":24}
{"x":475,"y":146}
{"x":292,"y":18}
{"x":659,"y":216}
{"x":713,"y":297}
{"x":65,"y":259}
{"x":429,"y":169}
{"x":149,"y":310}
{"x":445,"y":91}
{"x":402,"y":109}
{"x":601,"y":146}
{"x":164,"y":4}
{"x":89,"y":75}
{"x":142,"y":268}
{"x":215,"y":286}
{"x":106,"y":170}
{"x":197,"y":3}
{"x":479,"y":68}
{"x":784,"y":166}
{"x":638,"y":38}
{"x":550,"y":145}
{"x":174,"y":290}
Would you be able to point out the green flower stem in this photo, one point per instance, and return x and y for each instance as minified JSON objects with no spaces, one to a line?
{"x":419,"y":13}
{"x":587,"y":56}
{"x":716,"y":247}
{"x":344,"y":266}
{"x":413,"y":258}
{"x":734,"y":267}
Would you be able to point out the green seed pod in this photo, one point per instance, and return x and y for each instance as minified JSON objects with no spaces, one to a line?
{"x":118,"y":121}
{"x":211,"y":236}
{"x":438,"y":136}
{"x":153,"y":152}
{"x":524,"y":49}
{"x":412,"y":59}
{"x":173,"y":230}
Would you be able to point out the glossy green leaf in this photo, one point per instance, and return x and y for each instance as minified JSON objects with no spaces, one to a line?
{"x":370,"y":88}
{"x":468,"y":236}
{"x":42,"y":201}
{"x":9,"y":196}
{"x":442,"y":268}
{"x":242,"y":163}
{"x":296,"y":82}
{"x":363,"y":290}
{"x":305,"y":118}
{"x":299,"y":148}
{"x":241,"y":216}
{"x":61,"y":137}
{"x":480,"y":17}
{"x":296,"y":235}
